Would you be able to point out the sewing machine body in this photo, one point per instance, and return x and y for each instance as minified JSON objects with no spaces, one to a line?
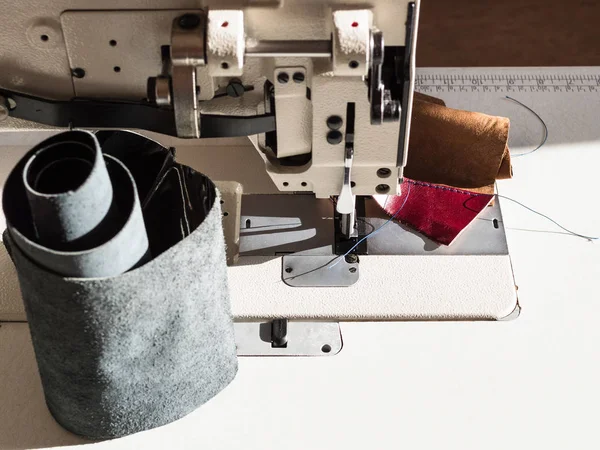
{"x":329,"y":129}
{"x":69,"y":50}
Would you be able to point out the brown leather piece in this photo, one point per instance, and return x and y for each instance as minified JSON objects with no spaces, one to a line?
{"x":457,"y":148}
{"x":505,"y":172}
{"x":428,"y":98}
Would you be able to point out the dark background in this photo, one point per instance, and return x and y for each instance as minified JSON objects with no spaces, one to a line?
{"x":461,"y":33}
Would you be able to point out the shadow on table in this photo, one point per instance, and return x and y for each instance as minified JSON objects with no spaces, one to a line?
{"x":25,"y":421}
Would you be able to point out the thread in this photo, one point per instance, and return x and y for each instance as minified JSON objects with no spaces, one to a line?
{"x":589,"y":238}
{"x":540,"y":119}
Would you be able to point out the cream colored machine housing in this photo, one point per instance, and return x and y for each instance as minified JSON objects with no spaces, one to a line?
{"x":72,"y":49}
{"x":268,"y":97}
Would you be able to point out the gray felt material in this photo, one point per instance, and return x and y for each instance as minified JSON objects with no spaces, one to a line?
{"x":131,"y":350}
{"x":85,"y":214}
{"x":124,"y":354}
{"x":118,"y":251}
{"x":68,"y":188}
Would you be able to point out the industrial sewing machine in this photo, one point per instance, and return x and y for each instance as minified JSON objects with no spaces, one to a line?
{"x":300,"y":110}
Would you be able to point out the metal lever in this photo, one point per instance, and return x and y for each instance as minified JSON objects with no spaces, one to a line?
{"x":279,"y":333}
{"x":187,"y":53}
{"x":383,"y":107}
{"x":346,"y":203}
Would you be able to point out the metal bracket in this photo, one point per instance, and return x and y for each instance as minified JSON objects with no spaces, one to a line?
{"x":342,"y":242}
{"x":187,"y":53}
{"x":408,"y":84}
{"x":319,"y":271}
{"x":383,"y":107}
{"x":302,"y":339}
{"x":294,"y":111}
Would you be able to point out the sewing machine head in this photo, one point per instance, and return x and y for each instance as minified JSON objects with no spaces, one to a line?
{"x":265,"y":97}
{"x":323,"y":89}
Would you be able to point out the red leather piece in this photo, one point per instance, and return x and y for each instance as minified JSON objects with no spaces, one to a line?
{"x":439,"y":212}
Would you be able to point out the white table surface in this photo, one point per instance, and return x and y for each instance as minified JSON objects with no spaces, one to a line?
{"x":530,"y":383}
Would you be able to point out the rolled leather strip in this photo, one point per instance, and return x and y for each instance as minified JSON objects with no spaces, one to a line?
{"x":86,"y":219}
{"x":125,"y":353}
{"x":68,"y":189}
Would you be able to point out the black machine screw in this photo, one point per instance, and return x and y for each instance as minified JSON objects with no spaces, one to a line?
{"x":382,"y":188}
{"x":235,"y":88}
{"x":298,"y":77}
{"x":283,"y":77}
{"x":78,"y":72}
{"x":384,"y":172}
{"x":189,"y":21}
{"x":334,"y":122}
{"x":334,"y":137}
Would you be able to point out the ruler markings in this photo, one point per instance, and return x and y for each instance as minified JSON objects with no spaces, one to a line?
{"x":508,"y":83}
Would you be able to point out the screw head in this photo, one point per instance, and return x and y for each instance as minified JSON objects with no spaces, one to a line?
{"x":384,"y":172}
{"x":382,"y":189}
{"x":78,"y":72}
{"x":298,"y":77}
{"x":283,"y":77}
{"x":235,"y":89}
{"x":351,"y":258}
{"x":334,"y":122}
{"x":334,"y":137}
{"x":189,"y":21}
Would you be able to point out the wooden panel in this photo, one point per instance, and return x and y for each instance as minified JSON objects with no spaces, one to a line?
{"x":482,"y":33}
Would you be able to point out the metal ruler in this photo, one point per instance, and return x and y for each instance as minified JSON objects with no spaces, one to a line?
{"x":432,"y":81}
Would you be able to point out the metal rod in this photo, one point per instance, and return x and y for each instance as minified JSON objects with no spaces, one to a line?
{"x":306,"y":49}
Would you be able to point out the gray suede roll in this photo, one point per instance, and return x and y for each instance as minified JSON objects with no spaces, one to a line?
{"x":68,"y":188}
{"x":128,"y":352}
{"x":85,"y":212}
